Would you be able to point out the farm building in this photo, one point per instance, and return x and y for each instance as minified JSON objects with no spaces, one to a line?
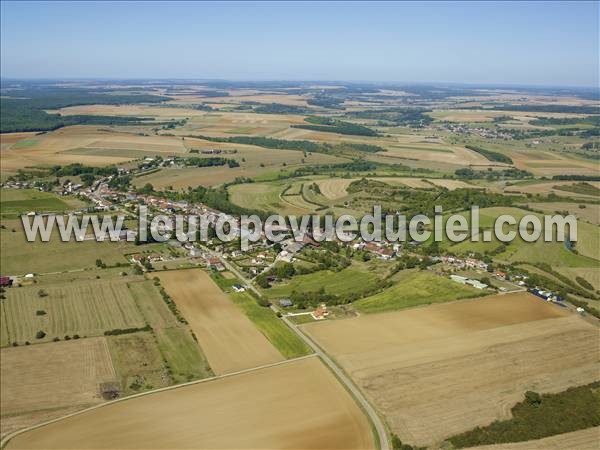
{"x":5,"y":281}
{"x":320,"y":313}
{"x":215,"y":264}
{"x":285,"y":302}
{"x":477,"y":284}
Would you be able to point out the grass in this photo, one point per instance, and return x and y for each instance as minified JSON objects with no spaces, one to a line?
{"x":349,"y":280}
{"x":554,"y":253}
{"x":580,"y":188}
{"x":540,"y":416}
{"x":138,"y":362}
{"x":18,"y":257}
{"x":86,"y":308}
{"x":151,"y":305}
{"x":15,"y":202}
{"x":276,"y":331}
{"x":421,"y":288}
{"x":182,"y":355}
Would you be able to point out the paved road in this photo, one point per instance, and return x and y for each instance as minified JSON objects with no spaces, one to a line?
{"x":339,"y":373}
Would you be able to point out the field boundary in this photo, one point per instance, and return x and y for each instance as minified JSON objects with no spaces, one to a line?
{"x":12,"y":435}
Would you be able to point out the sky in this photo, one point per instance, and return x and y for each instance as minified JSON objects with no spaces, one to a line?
{"x":555,"y":43}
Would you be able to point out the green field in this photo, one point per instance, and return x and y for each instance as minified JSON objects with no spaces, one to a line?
{"x":183,"y":356}
{"x":138,"y":362}
{"x":271,"y":326}
{"x":14,"y":202}
{"x":346,"y":281}
{"x":19,"y":257}
{"x":151,"y":305}
{"x":86,"y":308}
{"x":555,"y":253}
{"x":420,"y":288}
{"x":268,"y":197}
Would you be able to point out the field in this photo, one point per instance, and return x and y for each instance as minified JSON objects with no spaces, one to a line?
{"x":311,"y":410}
{"x":437,"y":371}
{"x":548,"y":187}
{"x":86,"y":308}
{"x":254,"y":161}
{"x":288,"y":344}
{"x":19,"y":257}
{"x":72,"y":145}
{"x":40,"y":382}
{"x":334,"y":188}
{"x":15,"y":202}
{"x":138,"y":362}
{"x":346,"y":281}
{"x":581,"y":440}
{"x":420,"y":288}
{"x":228,"y":338}
{"x":589,"y":213}
{"x":554,"y":253}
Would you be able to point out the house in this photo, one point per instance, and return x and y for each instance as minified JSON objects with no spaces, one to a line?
{"x":320,"y":313}
{"x":238,"y":288}
{"x":5,"y":282}
{"x":285,"y":302}
{"x":285,"y":256}
{"x":195,"y":252}
{"x":307,"y":240}
{"x":215,"y":264}
{"x":385,"y":253}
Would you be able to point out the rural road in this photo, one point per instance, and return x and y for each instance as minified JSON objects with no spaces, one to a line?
{"x":338,"y":372}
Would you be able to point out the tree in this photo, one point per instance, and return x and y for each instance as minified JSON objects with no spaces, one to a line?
{"x":87,"y":179}
{"x":147,"y":189}
{"x":533,"y":398}
{"x":42,"y":293}
{"x":40,"y":335}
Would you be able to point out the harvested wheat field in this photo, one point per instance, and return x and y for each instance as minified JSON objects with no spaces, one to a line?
{"x":416,"y":183}
{"x":50,"y":378}
{"x":334,"y":188}
{"x":228,"y":338}
{"x":440,"y":370}
{"x":581,"y":440}
{"x":82,"y":144}
{"x":547,"y":187}
{"x":301,"y":400}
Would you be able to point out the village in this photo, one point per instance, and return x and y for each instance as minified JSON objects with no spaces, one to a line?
{"x":262,"y":256}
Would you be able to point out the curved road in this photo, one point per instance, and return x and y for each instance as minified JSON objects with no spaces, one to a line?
{"x":337,"y":370}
